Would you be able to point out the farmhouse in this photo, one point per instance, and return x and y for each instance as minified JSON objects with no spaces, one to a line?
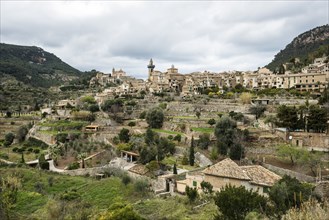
{"x":225,"y":172}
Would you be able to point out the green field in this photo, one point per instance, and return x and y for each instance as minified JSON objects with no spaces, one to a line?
{"x":203,"y":130}
{"x":168,"y":132}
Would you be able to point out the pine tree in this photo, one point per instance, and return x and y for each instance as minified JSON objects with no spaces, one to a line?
{"x":191,"y":156}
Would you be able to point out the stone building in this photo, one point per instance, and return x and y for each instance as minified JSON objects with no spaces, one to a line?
{"x":254,"y":177}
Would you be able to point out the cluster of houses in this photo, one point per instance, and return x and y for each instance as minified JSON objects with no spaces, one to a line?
{"x":313,"y":78}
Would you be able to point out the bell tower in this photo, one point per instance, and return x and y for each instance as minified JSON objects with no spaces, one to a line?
{"x":150,"y":68}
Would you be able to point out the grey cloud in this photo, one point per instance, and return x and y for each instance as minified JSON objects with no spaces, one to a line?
{"x":195,"y":36}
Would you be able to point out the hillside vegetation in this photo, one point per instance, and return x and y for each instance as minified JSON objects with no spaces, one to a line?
{"x":34,"y":66}
{"x":46,"y":195}
{"x":306,"y":46}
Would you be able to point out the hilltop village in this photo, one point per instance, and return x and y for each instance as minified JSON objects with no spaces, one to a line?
{"x":183,"y":139}
{"x":312,"y":78}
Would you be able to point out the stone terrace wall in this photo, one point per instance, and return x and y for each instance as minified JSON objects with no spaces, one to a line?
{"x":282,"y":172}
{"x":210,"y":108}
{"x":312,"y":140}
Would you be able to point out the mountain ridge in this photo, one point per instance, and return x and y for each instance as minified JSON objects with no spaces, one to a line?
{"x":34,"y":66}
{"x":306,"y":46}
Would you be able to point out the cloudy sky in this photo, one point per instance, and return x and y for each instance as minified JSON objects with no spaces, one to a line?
{"x":192,"y":35}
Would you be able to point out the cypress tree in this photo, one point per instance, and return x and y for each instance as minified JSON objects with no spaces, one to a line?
{"x":191,"y":156}
{"x":23,"y":160}
{"x":175,"y":169}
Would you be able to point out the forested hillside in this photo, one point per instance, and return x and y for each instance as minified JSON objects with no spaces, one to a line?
{"x":34,"y":66}
{"x":307,"y":46}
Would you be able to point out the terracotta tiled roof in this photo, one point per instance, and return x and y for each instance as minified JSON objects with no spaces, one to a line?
{"x":260,"y":175}
{"x":139,"y":169}
{"x":226,"y":168}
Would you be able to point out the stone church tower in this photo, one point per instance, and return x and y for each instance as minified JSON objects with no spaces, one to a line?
{"x":150,"y":67}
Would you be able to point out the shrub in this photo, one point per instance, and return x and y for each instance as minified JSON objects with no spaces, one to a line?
{"x":211,"y":121}
{"x":141,"y":186}
{"x":124,"y":135}
{"x":116,"y":140}
{"x":184,"y":160}
{"x":214,"y":154}
{"x":245,"y":98}
{"x":61,"y":137}
{"x":69,"y":196}
{"x":192,"y":193}
{"x":36,"y":150}
{"x":43,"y":164}
{"x":20,"y":150}
{"x":126,"y":179}
{"x":9,"y":138}
{"x":31,"y":142}
{"x":4,"y":156}
{"x":178,"y":138}
{"x":206,"y":187}
{"x":132,"y":124}
{"x":73,"y":166}
{"x":143,"y":115}
{"x":21,"y":133}
{"x":51,"y":181}
{"x":38,"y":186}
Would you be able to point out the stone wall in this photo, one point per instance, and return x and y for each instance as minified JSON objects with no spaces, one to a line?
{"x":86,"y":171}
{"x":35,"y":132}
{"x":281,"y":171}
{"x":316,"y":141}
{"x":312,"y":140}
{"x":322,"y":189}
{"x":207,"y":109}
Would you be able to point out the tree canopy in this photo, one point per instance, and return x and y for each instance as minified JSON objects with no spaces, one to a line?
{"x":234,"y":203}
{"x":155,"y":118}
{"x":230,"y":138}
{"x":289,"y":192}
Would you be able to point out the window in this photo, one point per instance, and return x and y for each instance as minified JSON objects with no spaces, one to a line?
{"x":266,"y":189}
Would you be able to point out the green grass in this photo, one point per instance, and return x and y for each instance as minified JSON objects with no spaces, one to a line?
{"x":203,"y":130}
{"x":100,"y":194}
{"x":17,"y":157}
{"x":64,"y":125}
{"x":62,"y":132}
{"x":174,"y":208}
{"x":171,"y":160}
{"x":168,"y":132}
